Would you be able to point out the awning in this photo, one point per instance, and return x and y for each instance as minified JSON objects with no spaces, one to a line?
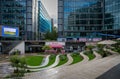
{"x":56,"y":45}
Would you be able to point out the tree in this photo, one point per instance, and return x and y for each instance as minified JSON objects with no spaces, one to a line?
{"x":19,"y":63}
{"x":51,"y":35}
{"x":46,"y":47}
{"x":15,"y":63}
{"x":90,"y":47}
{"x":100,"y":46}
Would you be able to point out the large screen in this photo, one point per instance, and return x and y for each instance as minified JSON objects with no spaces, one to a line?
{"x":10,"y":31}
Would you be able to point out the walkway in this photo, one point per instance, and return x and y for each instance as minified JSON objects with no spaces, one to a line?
{"x":44,"y":63}
{"x":85,"y":58}
{"x":5,"y":69}
{"x":89,"y":70}
{"x":70,"y":60}
{"x":109,"y":74}
{"x":97,"y":56}
{"x":109,"y":50}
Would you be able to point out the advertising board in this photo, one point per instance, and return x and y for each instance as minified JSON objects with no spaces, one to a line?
{"x":10,"y":31}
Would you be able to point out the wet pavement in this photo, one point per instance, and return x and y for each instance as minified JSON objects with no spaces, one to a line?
{"x":83,"y":70}
{"x":113,"y":73}
{"x":5,"y":70}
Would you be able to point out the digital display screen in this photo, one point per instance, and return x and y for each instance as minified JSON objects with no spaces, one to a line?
{"x":10,"y":31}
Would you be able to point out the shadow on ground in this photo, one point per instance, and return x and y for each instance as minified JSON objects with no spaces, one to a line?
{"x":113,"y":73}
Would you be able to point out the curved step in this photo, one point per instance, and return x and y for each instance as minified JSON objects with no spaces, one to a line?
{"x":53,"y":65}
{"x":85,"y":58}
{"x":97,"y":56}
{"x":44,"y":63}
{"x":56,"y":62}
{"x":70,"y":60}
{"x":113,"y":52}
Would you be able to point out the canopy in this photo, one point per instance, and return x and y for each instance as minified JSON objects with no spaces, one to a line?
{"x":107,"y":42}
{"x":56,"y":45}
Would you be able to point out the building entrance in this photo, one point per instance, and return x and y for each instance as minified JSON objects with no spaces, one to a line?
{"x":34,"y":47}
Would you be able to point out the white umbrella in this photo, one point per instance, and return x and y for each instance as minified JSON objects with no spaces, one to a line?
{"x":118,"y":38}
{"x":107,"y":42}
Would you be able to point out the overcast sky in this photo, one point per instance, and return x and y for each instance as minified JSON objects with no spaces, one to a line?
{"x":51,"y":7}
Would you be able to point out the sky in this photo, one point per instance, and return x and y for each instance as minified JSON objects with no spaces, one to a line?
{"x":51,"y":7}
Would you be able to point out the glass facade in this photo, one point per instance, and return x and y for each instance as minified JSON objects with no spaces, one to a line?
{"x":13,"y":13}
{"x":44,"y":20}
{"x":89,"y":19}
{"x":81,"y":18}
{"x":112,"y":17}
{"x":29,"y":16}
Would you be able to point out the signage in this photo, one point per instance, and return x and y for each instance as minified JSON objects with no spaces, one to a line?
{"x":10,"y":31}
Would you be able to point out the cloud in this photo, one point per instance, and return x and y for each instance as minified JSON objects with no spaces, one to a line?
{"x":51,"y":7}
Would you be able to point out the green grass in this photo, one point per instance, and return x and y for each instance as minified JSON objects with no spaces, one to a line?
{"x":90,"y":55}
{"x":76,"y":58}
{"x":63,"y":59}
{"x":51,"y":60}
{"x":103,"y":53}
{"x":34,"y":60}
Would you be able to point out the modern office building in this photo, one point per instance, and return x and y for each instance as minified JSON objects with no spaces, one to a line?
{"x":44,"y":20}
{"x":112,"y":18}
{"x":27,"y":15}
{"x":88,"y":20}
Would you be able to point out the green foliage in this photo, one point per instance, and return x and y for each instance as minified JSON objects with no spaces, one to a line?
{"x":75,"y":54}
{"x":51,"y":60}
{"x":90,"y":47}
{"x":34,"y":60}
{"x":116,"y":46}
{"x":52,"y":56}
{"x":63,"y":59}
{"x":19,"y":64}
{"x":90,"y":55}
{"x":101,"y":51}
{"x":16,"y":52}
{"x":100,"y":46}
{"x":51,"y":35}
{"x":76,"y":58}
{"x":46,"y":47}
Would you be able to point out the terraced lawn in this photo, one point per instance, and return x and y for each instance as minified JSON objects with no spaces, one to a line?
{"x":51,"y":60}
{"x":63,"y":59}
{"x":76,"y":58}
{"x":34,"y":60}
{"x":90,"y":55}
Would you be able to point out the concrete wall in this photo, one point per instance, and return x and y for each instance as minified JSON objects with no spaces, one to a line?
{"x":20,"y":47}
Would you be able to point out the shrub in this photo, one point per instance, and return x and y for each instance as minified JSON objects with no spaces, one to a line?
{"x":63,"y":57}
{"x":52,"y":56}
{"x":46,"y":47}
{"x":19,"y":63}
{"x":16,"y":52}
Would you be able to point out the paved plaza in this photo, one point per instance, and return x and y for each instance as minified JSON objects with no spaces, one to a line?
{"x":83,"y":70}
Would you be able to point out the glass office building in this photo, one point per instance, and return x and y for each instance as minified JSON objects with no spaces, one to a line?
{"x":44,"y":20}
{"x":88,"y":20}
{"x":80,"y":19}
{"x":112,"y":18}
{"x":23,"y":14}
{"x":13,"y":13}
